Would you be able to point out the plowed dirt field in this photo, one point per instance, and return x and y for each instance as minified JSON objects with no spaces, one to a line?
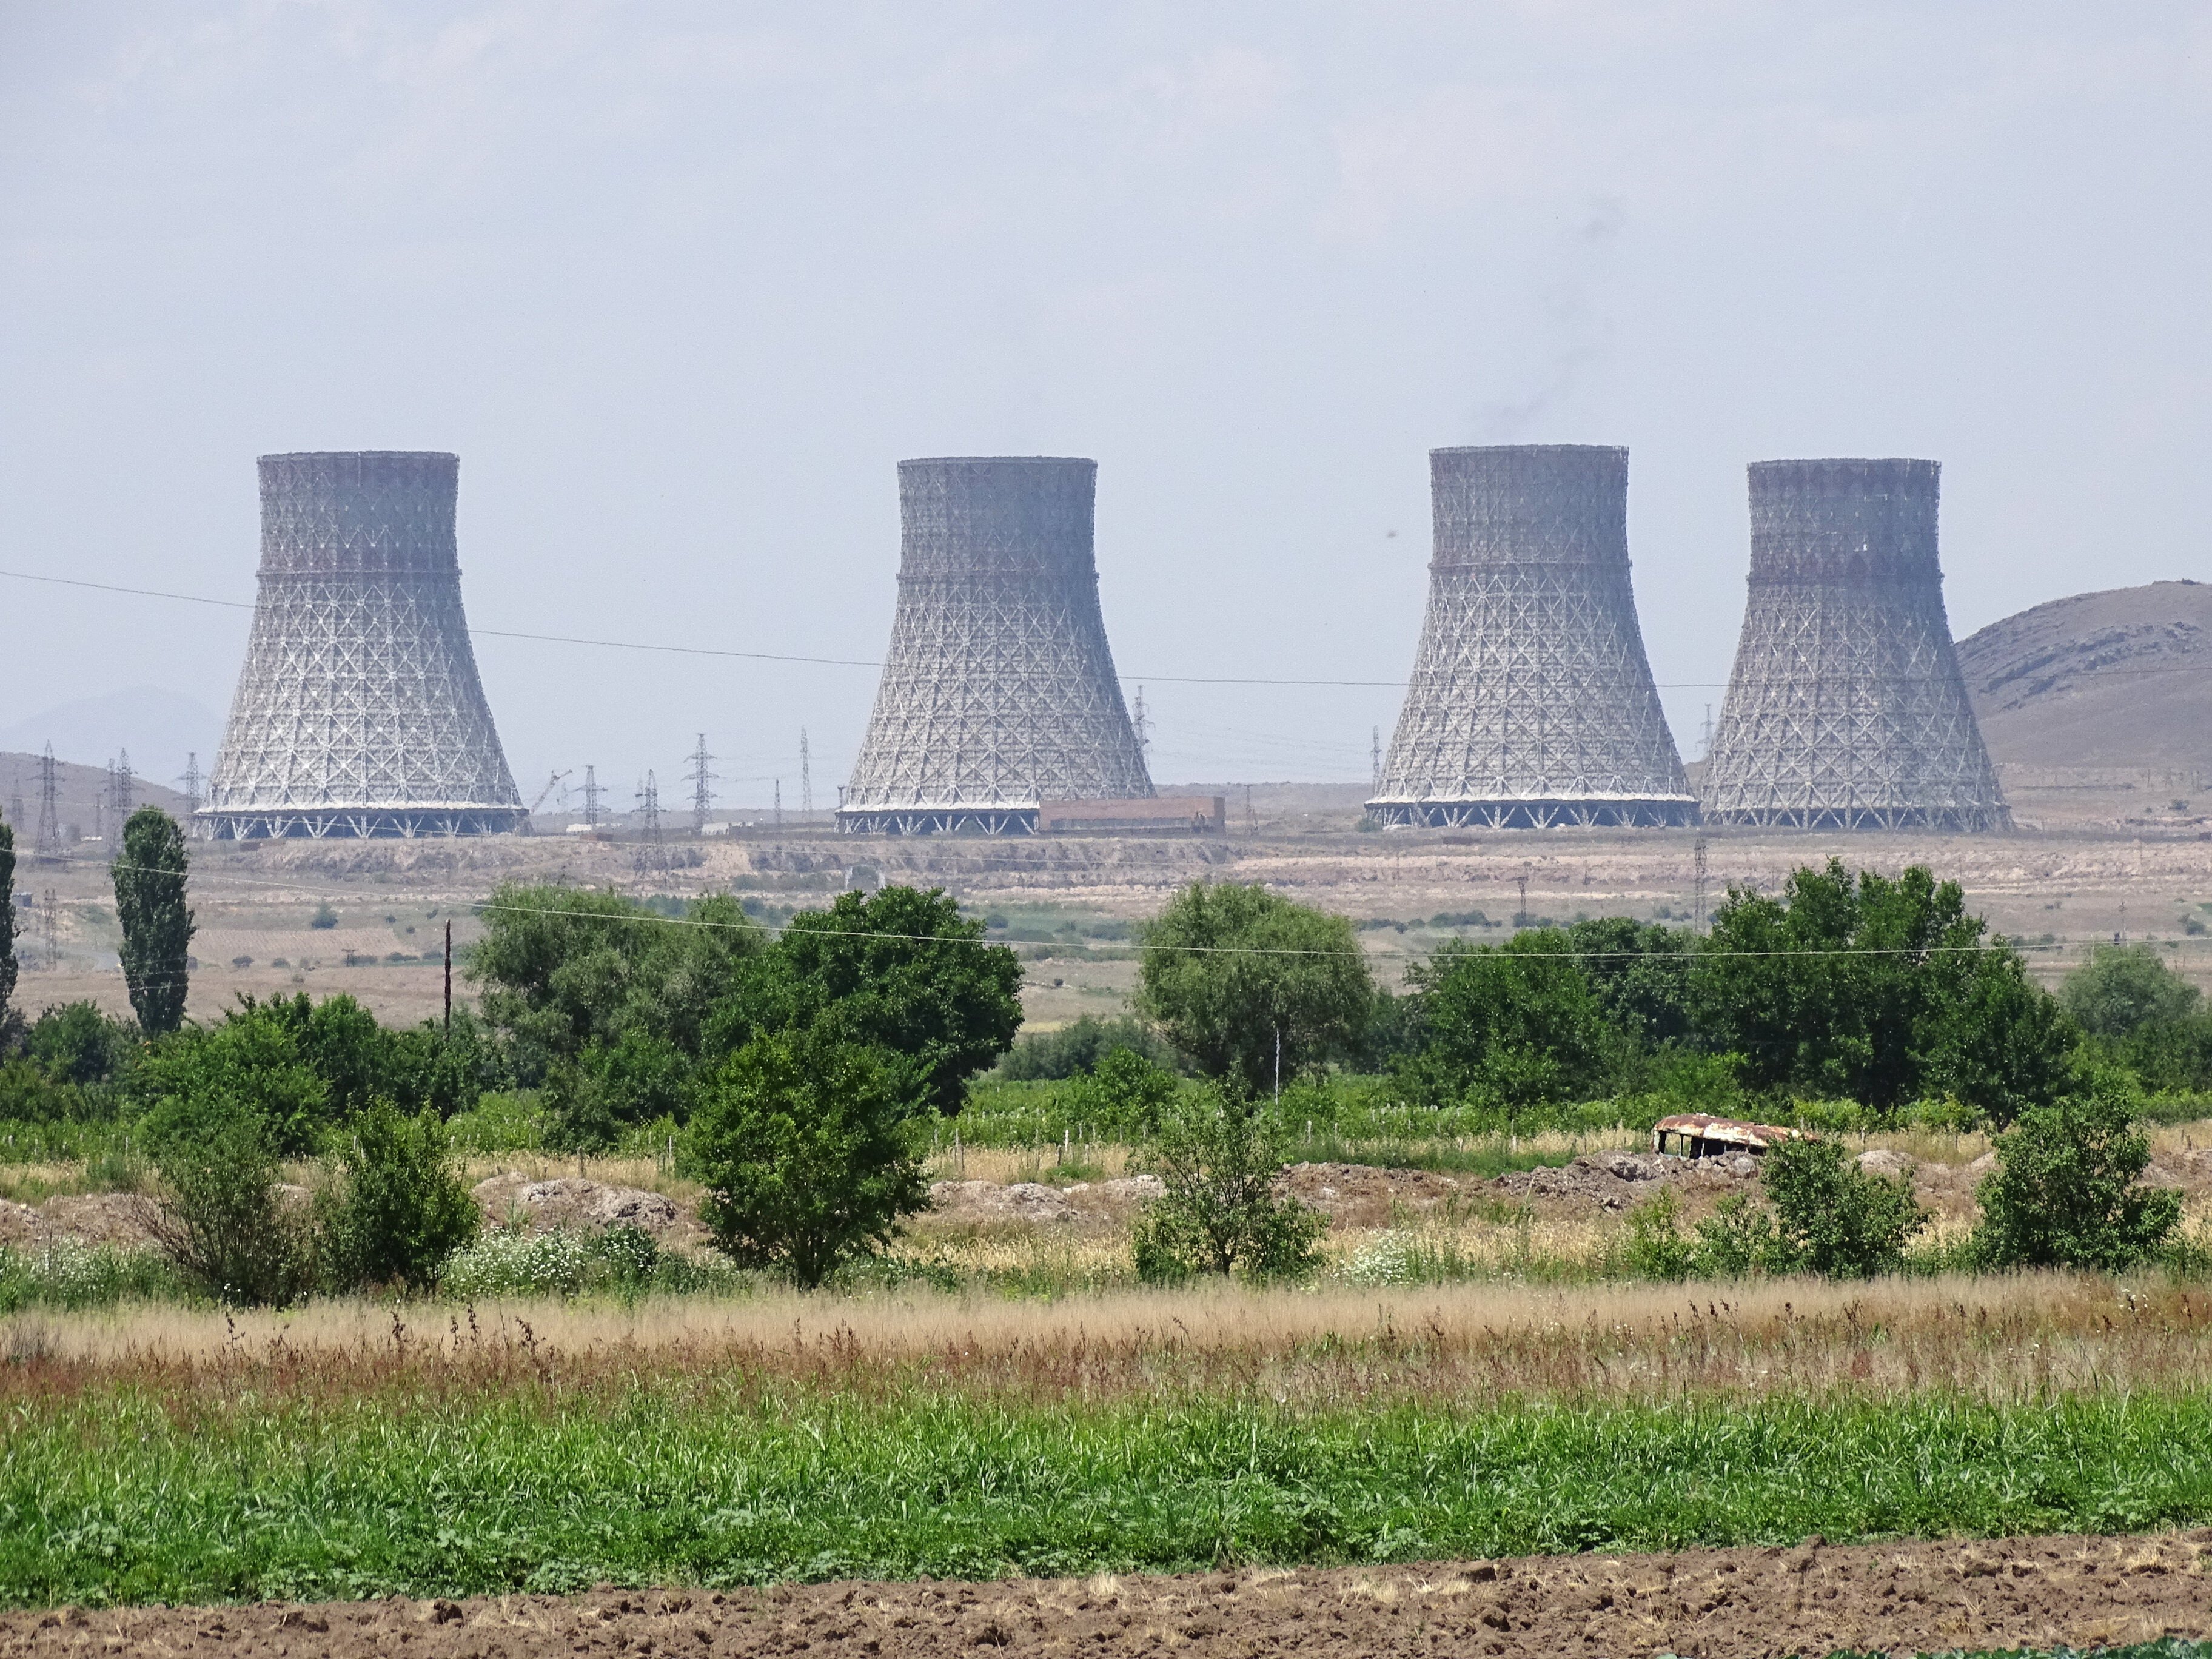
{"x":1714,"y":1604}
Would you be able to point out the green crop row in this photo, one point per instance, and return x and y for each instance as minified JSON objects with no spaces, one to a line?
{"x":110,"y":1494}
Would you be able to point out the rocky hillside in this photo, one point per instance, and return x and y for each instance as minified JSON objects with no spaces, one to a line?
{"x":2117,"y":679}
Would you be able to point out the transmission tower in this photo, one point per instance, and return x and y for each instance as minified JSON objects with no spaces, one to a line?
{"x":47,"y":842}
{"x":192,"y":781}
{"x":1698,"y":887}
{"x":652,"y":853}
{"x":123,"y":790}
{"x":805,"y":776}
{"x":1375,"y":760}
{"x":592,"y":794}
{"x":1141,"y":723}
{"x":703,"y":785}
{"x":50,"y":927}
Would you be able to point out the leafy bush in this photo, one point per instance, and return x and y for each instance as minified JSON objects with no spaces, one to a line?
{"x":75,"y":1042}
{"x":28,"y":1094}
{"x":623,"y":1260}
{"x":1219,"y":1157}
{"x":223,"y":1221}
{"x":508,"y":1122}
{"x":1076,"y":1050}
{"x":1832,"y":1218}
{"x":2063,"y":1194}
{"x":1127,"y":1094}
{"x":804,"y":1145}
{"x":400,"y":1209}
{"x":2123,"y":987}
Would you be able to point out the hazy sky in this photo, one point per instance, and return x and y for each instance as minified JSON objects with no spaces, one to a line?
{"x":681,"y":282}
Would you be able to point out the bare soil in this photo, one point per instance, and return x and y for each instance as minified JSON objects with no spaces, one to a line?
{"x":1896,"y":1598}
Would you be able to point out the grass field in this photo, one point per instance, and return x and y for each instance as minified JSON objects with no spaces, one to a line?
{"x":341,"y":1453}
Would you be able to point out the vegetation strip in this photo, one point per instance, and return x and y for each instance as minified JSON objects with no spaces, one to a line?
{"x":114,"y":1495}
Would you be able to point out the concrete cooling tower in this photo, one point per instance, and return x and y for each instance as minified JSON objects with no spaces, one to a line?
{"x":999,"y":692}
{"x":1531,"y":703}
{"x":359,"y":712}
{"x":1847,"y":709}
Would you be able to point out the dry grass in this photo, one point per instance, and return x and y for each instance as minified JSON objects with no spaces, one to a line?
{"x":2009,"y":1339}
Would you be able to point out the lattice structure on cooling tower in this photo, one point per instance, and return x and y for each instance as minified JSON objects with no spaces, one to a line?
{"x":1531,"y":703}
{"x":999,"y":692}
{"x":359,"y":711}
{"x":1847,"y":709}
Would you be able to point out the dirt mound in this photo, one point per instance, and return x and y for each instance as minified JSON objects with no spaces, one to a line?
{"x":1896,"y":1597}
{"x":575,"y":1203}
{"x":123,"y":1220}
{"x":1033,"y":1201}
{"x":1361,"y":1195}
{"x":2107,"y":680}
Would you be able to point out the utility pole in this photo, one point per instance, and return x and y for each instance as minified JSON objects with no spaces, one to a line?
{"x":779,"y":803}
{"x":592,"y":794}
{"x":806,"y":777}
{"x":1698,"y":886}
{"x":1521,"y":915}
{"x":702,"y":791}
{"x":46,"y":843}
{"x":449,"y":979}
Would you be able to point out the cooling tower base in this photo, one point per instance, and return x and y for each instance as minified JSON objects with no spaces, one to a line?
{"x":1959,"y":821}
{"x":1661,"y":812}
{"x":938,"y":821}
{"x":360,"y":823}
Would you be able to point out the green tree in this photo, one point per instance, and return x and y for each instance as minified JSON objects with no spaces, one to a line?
{"x":2123,"y":987}
{"x":565,"y":970}
{"x":1076,"y":1049}
{"x":804,"y":1145}
{"x":1251,"y":985}
{"x":901,"y":972}
{"x":157,"y":927}
{"x":223,"y":1218}
{"x":1640,"y":972}
{"x":1220,"y":1158}
{"x":1513,"y":1026}
{"x":75,"y":1042}
{"x":2064,"y":1192}
{"x":1832,"y":1218}
{"x":1126,"y":1094}
{"x":400,"y":1208}
{"x":7,"y":929}
{"x":249,"y":1069}
{"x":1880,"y":991}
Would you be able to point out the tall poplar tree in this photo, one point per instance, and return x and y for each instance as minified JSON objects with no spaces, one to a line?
{"x":7,"y":920}
{"x":157,"y":927}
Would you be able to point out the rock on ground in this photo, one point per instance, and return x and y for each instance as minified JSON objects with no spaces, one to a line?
{"x":573,"y":1202}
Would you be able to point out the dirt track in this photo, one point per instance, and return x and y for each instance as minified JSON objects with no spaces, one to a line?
{"x":1711,"y":1604}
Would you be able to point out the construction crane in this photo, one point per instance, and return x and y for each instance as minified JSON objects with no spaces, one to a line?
{"x":552,"y":784}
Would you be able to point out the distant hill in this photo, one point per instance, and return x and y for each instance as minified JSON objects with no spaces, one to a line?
{"x":160,"y":730}
{"x":2122,"y":679}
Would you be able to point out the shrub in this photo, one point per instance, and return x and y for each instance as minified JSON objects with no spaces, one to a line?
{"x":75,"y":1042}
{"x":223,"y":1220}
{"x":509,"y":1262}
{"x":400,"y":1210}
{"x":2123,"y":987}
{"x":1127,"y":1094}
{"x":1833,"y":1217}
{"x":805,"y":1146}
{"x":1739,"y":1237}
{"x":1219,"y":1157}
{"x":2063,"y":1194}
{"x":68,"y":1273}
{"x":1079,"y":1050}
